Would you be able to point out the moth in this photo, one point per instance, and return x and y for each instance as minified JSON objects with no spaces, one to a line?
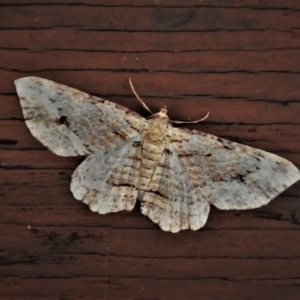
{"x":175,"y":173}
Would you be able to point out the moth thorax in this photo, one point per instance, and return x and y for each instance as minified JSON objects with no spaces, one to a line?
{"x":156,"y":130}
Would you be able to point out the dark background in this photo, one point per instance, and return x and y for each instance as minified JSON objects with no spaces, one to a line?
{"x":239,"y":60}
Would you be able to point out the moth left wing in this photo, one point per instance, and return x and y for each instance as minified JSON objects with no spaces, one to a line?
{"x":232,"y":175}
{"x":172,"y":199}
{"x":70,"y":122}
{"x":107,"y":181}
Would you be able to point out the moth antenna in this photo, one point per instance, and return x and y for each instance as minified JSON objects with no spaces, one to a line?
{"x":191,"y":122}
{"x":138,"y":97}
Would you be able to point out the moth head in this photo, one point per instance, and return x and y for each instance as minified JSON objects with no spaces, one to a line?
{"x":162,"y":114}
{"x":164,"y":110}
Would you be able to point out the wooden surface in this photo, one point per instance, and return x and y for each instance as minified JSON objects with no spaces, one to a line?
{"x":239,"y":60}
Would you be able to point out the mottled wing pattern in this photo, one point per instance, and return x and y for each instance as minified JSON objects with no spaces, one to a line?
{"x":173,"y":199}
{"x":230,"y":175}
{"x":175,"y":173}
{"x":70,"y":122}
{"x":108,"y":181}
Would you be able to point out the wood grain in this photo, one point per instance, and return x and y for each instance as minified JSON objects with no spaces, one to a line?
{"x":239,"y":60}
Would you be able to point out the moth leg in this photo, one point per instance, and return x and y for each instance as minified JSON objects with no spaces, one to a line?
{"x":138,"y":97}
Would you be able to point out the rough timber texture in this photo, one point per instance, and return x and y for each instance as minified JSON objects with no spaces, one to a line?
{"x":237,"y":59}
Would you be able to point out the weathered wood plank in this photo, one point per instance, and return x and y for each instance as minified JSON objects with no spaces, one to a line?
{"x":124,"y":288}
{"x":25,"y":265}
{"x":281,"y":213}
{"x":182,"y":62}
{"x":234,"y":111}
{"x":202,"y":243}
{"x":35,"y":159}
{"x":147,"y":19}
{"x":233,"y":85}
{"x":256,"y":4}
{"x":90,"y":41}
{"x":239,"y":60}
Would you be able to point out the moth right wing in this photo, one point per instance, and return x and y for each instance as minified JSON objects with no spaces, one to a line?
{"x":232,"y":175}
{"x":70,"y":122}
{"x":198,"y":169}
